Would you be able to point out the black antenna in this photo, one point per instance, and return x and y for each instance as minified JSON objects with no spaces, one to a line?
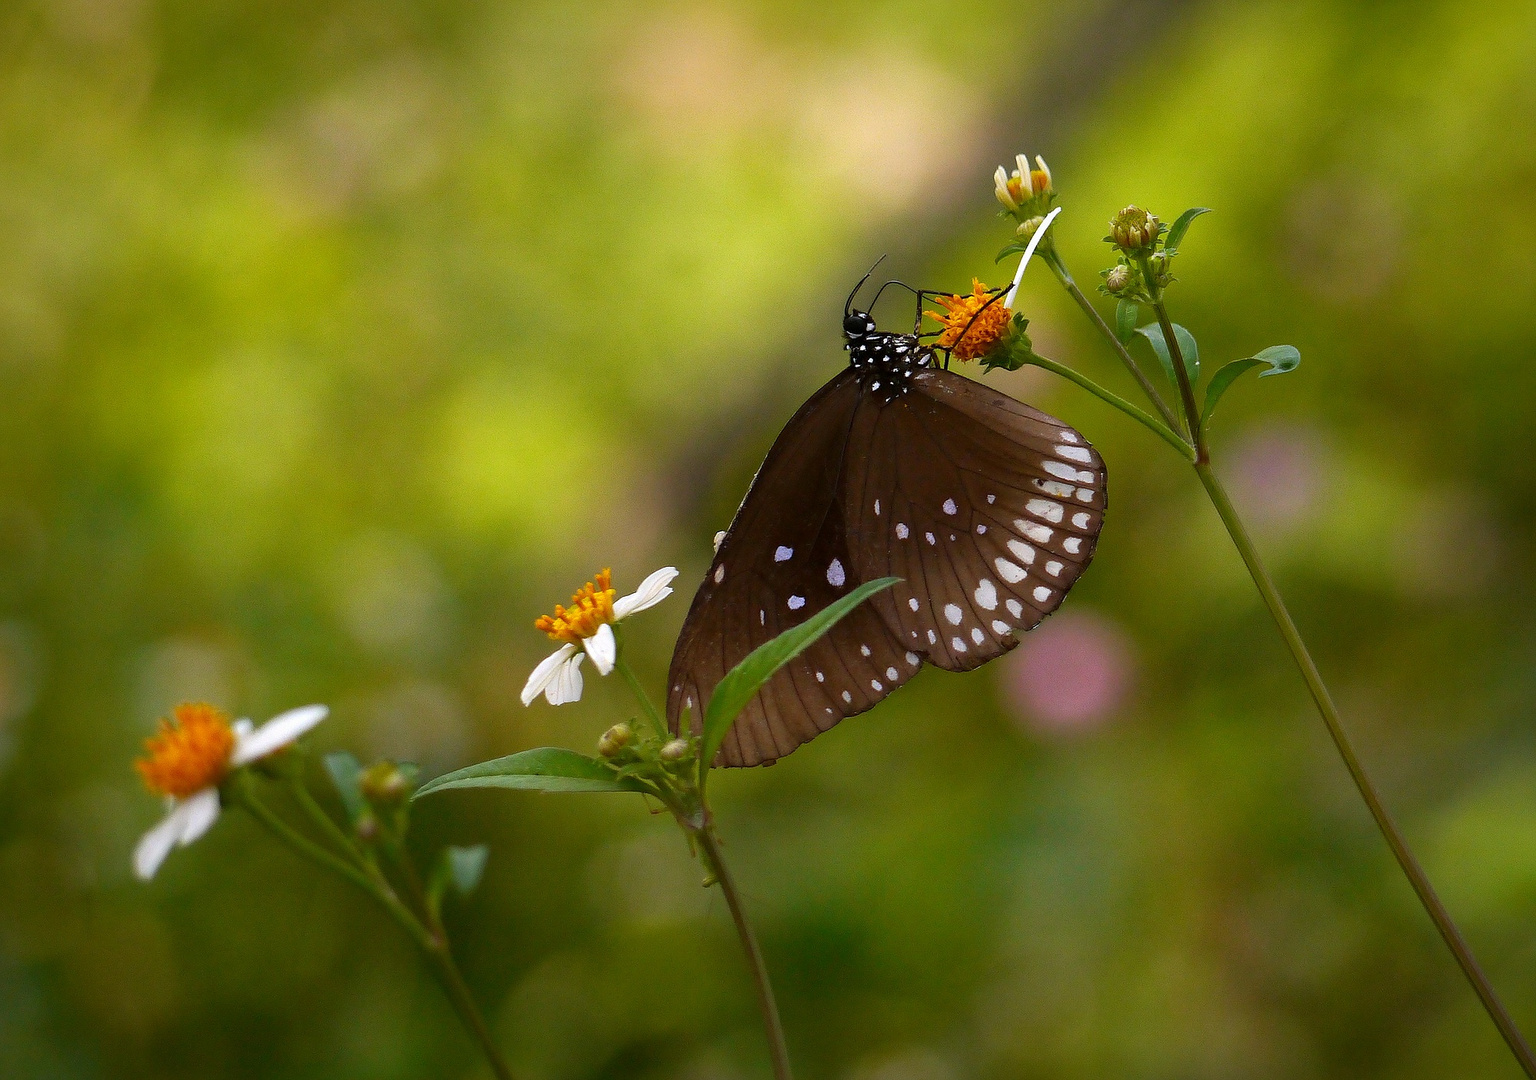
{"x":848,"y":307}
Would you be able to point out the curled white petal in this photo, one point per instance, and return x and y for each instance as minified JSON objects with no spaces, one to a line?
{"x":1034,"y":242}
{"x":652,"y":591}
{"x":198,"y":813}
{"x":1026,"y":183}
{"x":602,"y":648}
{"x":546,"y":673}
{"x":276,"y":733}
{"x":156,"y":844}
{"x":1040,"y":161}
{"x":565,"y":687}
{"x":1000,"y":178}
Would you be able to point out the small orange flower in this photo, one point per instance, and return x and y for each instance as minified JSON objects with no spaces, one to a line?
{"x":189,"y":755}
{"x":591,"y":607}
{"x":974,"y":324}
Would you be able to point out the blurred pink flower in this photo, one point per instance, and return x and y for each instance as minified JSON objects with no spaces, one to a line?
{"x":1276,"y":475}
{"x":1070,"y":674}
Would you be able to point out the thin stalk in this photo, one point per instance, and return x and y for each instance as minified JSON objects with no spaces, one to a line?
{"x":765,"y":1000}
{"x":1395,"y":840}
{"x":645,"y":699}
{"x":1137,"y":413}
{"x":1180,"y":374}
{"x":431,"y":937}
{"x":1059,"y":268}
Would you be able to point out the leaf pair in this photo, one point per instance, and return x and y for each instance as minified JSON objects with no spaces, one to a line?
{"x":552,"y":768}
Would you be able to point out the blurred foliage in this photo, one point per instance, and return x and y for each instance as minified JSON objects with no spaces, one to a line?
{"x":339,"y":340}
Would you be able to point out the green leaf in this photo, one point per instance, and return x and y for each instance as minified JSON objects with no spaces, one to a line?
{"x":1180,"y":227}
{"x":1011,"y":249}
{"x":1126,"y":314}
{"x":747,"y":678}
{"x":346,"y":774}
{"x":549,"y":768}
{"x":1153,"y":332}
{"x":1277,"y":358}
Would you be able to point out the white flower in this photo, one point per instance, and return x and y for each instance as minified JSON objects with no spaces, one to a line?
{"x":188,"y":760}
{"x":586,"y":629}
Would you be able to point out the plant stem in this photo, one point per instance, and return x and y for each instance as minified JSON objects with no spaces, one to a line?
{"x":433,"y":941}
{"x":765,"y":1000}
{"x":1053,"y":260}
{"x":1180,"y":374}
{"x":1395,"y":840}
{"x":1164,"y":432}
{"x":641,"y":696}
{"x":1324,"y":702}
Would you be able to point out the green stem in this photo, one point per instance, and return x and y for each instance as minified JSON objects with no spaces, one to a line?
{"x":1395,"y":840}
{"x":1176,"y":354}
{"x":645,"y":699}
{"x":1164,"y":432}
{"x":765,"y":1000}
{"x":1059,"y":268}
{"x":431,"y":938}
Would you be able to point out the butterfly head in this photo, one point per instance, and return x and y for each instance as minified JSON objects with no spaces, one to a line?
{"x":857,"y":325}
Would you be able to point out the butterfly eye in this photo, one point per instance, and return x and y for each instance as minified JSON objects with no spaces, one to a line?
{"x":858,"y":324}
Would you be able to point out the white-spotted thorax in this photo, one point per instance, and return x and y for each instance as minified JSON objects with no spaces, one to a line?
{"x":884,"y":361}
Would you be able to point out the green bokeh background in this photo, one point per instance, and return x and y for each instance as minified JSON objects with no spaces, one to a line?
{"x":338,"y":340}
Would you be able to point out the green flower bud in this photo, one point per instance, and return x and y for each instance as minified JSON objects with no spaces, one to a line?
{"x":1028,"y":228}
{"x":383,"y":784}
{"x":1119,"y":279}
{"x":1134,"y":230}
{"x":614,"y":740}
{"x":675,"y":750}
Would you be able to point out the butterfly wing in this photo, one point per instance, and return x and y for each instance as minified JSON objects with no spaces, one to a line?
{"x":988,"y":509}
{"x":784,"y":558}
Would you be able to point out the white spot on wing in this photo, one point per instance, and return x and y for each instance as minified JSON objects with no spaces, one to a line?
{"x":864,"y":650}
{"x":952,"y":613}
{"x":782,"y":553}
{"x":981,"y":528}
{"x":1015,"y":608}
{"x":1053,"y":568}
{"x":1085,"y":495}
{"x":1000,"y":627}
{"x":835,"y":575}
{"x":847,"y":698}
{"x":1074,"y":453}
{"x":932,"y":638}
{"x":892,"y":674}
{"x":1080,"y":520}
{"x":977,"y":636}
{"x":991,"y":499}
{"x":877,"y":501}
{"x":874,"y":684}
{"x":901,"y":531}
{"x":930,"y":538}
{"x":912,"y":603}
{"x":719,"y":536}
{"x":957,"y":645}
{"x":914,"y":659}
{"x":1072,"y":544}
{"x":762,"y":617}
{"x":1068,"y":436}
{"x":950,"y":507}
{"x":796,"y":603}
{"x":1044,"y":509}
{"x":719,"y":573}
{"x":1042,"y":594}
{"x":1022,"y":551}
{"x":821,"y":677}
{"x":986,"y":595}
{"x":1056,"y":488}
{"x":1038,"y":533}
{"x":1062,"y":471}
{"x":1012,"y":572}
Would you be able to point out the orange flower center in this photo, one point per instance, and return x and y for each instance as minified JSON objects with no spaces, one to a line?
{"x":591,"y":607}
{"x":973,"y":324}
{"x":190,"y":754}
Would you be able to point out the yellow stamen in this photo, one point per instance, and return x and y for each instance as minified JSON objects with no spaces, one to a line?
{"x":189,"y":755}
{"x":591,"y":607}
{"x":1019,"y":188}
{"x":974,"y":323}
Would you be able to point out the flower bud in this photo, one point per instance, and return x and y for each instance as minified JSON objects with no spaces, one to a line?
{"x":675,"y":750}
{"x":1133,"y":229}
{"x":1028,"y":228}
{"x":1118,"y":280}
{"x":383,"y":784}
{"x":614,"y":739}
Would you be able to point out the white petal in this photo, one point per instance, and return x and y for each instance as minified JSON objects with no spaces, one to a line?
{"x":156,"y":844}
{"x":565,"y":687}
{"x":545,"y":673}
{"x":1040,"y":161}
{"x":198,"y":815}
{"x":652,"y":591}
{"x":1034,"y":242}
{"x":1000,"y":178}
{"x":276,"y":733}
{"x":602,"y":649}
{"x":242,"y":728}
{"x":1026,"y":184}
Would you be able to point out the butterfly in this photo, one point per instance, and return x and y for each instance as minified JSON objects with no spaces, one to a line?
{"x":986,"y":508}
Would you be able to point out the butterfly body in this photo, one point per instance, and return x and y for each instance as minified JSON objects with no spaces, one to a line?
{"x":986,"y":508}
